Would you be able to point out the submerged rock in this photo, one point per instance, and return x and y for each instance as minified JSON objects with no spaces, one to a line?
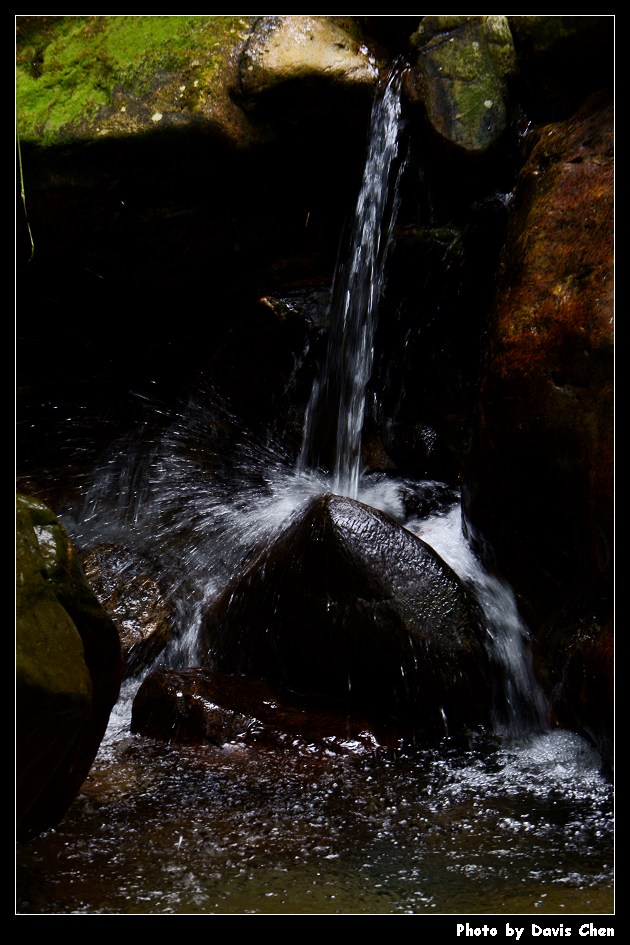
{"x":347,"y":604}
{"x":68,"y":670}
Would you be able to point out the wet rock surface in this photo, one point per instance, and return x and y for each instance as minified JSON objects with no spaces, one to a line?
{"x":129,"y":592}
{"x":199,"y":706}
{"x":348,"y":604}
{"x":543,"y":449}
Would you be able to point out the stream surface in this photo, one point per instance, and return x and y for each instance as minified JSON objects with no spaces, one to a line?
{"x":500,"y":828}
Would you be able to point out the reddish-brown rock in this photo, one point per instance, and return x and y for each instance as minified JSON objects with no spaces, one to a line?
{"x":539,"y":484}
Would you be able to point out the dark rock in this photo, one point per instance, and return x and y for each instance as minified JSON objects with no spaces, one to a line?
{"x":543,"y":448}
{"x":129,"y":592}
{"x":538,"y":485}
{"x":422,"y":499}
{"x":196,"y":705}
{"x":266,"y":351}
{"x":68,"y":670}
{"x":562,"y":60}
{"x":349,"y":605}
{"x":539,"y":34}
{"x":575,"y":653}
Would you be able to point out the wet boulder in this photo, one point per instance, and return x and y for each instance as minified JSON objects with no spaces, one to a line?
{"x":127,"y":587}
{"x":349,"y":605}
{"x":198,"y":706}
{"x":68,"y":670}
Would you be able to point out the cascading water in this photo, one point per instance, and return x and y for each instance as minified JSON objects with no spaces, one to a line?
{"x":338,"y":396}
{"x":240,"y":493}
{"x":338,"y":400}
{"x":521,"y":710}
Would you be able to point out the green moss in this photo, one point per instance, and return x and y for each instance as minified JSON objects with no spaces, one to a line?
{"x":49,"y":653}
{"x":38,"y":512}
{"x":52,"y":540}
{"x":49,"y":649}
{"x":71,"y":68}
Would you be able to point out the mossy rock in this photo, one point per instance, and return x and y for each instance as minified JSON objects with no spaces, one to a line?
{"x":461,"y":77}
{"x":85,"y":77}
{"x":68,"y":670}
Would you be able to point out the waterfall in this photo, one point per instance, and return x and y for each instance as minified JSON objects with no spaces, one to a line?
{"x":203,"y":496}
{"x":334,"y":417}
{"x":337,"y":405}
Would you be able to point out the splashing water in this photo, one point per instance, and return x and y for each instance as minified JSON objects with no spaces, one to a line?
{"x":202,"y":513}
{"x":198,"y":500}
{"x":340,"y":392}
{"x":525,"y":827}
{"x":523,"y":709}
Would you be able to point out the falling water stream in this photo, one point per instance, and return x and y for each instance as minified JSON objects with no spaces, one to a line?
{"x":518,"y":822}
{"x":339,"y":394}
